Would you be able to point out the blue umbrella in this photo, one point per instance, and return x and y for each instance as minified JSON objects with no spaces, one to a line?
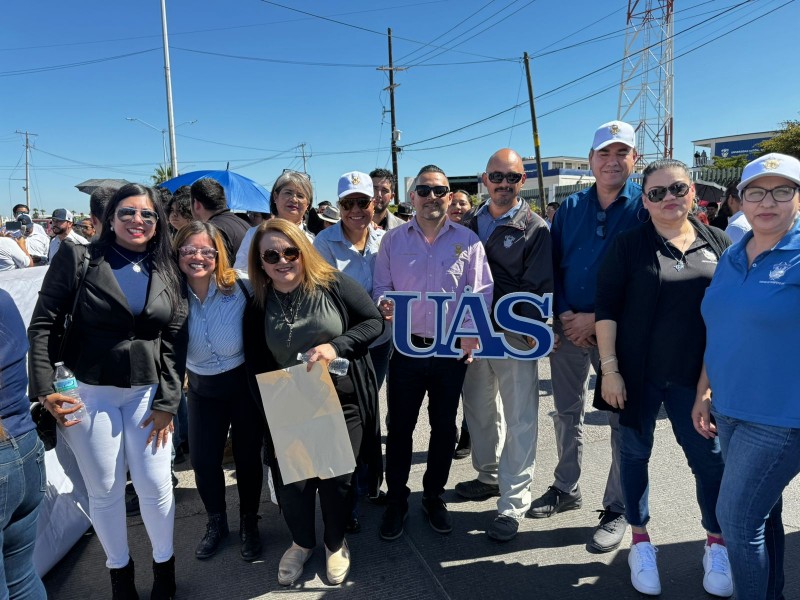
{"x":243,"y":194}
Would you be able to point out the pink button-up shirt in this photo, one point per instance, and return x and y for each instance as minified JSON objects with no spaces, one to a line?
{"x":407,"y":262}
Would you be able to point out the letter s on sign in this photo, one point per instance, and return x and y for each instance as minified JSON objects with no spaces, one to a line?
{"x":542,"y":334}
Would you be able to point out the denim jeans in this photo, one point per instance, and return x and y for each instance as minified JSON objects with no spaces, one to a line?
{"x":703,"y":455}
{"x":22,"y":487}
{"x":763,"y":460}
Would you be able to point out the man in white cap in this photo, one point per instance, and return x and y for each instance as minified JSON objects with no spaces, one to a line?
{"x":62,"y":228}
{"x":583,"y":229}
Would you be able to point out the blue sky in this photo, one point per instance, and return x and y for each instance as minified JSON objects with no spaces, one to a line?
{"x":319,"y":84}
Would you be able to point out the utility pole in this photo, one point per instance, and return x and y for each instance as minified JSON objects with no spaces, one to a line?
{"x":535,"y":126}
{"x":27,"y":167}
{"x":395,"y":133}
{"x":303,"y":151}
{"x":168,"y":77}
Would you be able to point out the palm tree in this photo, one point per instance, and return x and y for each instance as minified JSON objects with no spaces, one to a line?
{"x":162,"y":173}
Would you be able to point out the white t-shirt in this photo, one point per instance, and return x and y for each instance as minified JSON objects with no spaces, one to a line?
{"x":737,"y":227}
{"x":55,"y":243}
{"x":38,"y":242}
{"x":11,"y":255}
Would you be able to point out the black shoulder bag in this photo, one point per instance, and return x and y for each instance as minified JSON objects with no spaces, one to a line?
{"x":45,"y":422}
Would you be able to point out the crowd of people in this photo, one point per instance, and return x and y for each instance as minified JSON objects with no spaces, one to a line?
{"x":180,"y":290}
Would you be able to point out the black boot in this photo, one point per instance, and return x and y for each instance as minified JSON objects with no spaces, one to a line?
{"x":216,"y":531}
{"x":163,"y":580}
{"x":251,"y":539}
{"x":464,"y":445}
{"x":123,"y":586}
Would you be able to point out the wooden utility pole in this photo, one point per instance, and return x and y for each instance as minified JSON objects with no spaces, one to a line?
{"x":303,"y":151}
{"x":542,"y":203}
{"x":395,"y":133}
{"x":27,"y":167}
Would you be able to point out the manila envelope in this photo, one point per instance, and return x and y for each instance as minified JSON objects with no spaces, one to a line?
{"x":306,"y":422}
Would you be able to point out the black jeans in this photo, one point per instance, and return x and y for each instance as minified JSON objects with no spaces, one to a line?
{"x":298,"y":499}
{"x":410,"y":379}
{"x":217,"y":402}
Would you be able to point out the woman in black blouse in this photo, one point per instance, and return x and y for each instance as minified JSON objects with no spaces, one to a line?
{"x":303,"y":305}
{"x":651,"y":339}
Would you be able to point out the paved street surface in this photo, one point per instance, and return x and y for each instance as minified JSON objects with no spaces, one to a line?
{"x":548,"y":559}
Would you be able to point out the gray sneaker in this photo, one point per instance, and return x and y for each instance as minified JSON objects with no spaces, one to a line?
{"x":554,"y":501}
{"x":609,"y":532}
{"x":477,"y":490}
{"x":503,"y":528}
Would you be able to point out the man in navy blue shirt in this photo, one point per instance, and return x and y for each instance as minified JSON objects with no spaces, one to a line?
{"x":583,"y":229}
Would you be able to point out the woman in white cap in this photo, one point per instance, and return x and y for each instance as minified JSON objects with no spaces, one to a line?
{"x":750,"y":366}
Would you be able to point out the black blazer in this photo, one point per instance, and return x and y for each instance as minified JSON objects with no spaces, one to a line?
{"x":628,"y":285}
{"x":107,"y":344}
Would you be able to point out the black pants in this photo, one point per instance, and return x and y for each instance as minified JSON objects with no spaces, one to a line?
{"x":217,"y":402}
{"x":410,"y":379}
{"x":298,"y":499}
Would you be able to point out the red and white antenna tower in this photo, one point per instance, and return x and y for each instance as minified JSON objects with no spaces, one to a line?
{"x":645,"y":92}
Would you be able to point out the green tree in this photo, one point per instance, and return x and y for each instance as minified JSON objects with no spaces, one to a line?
{"x":786,"y":142}
{"x":162,"y":173}
{"x":731,"y":162}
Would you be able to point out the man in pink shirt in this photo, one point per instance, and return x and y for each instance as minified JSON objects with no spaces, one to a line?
{"x":427,"y":254}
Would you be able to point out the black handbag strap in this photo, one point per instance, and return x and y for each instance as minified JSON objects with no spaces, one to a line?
{"x":243,"y":288}
{"x":68,"y":317}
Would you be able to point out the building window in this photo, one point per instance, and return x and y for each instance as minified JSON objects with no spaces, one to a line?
{"x":568,"y":165}
{"x":584,"y":166}
{"x":558,"y":165}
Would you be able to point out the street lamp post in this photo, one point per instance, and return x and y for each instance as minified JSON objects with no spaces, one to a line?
{"x":163,"y":133}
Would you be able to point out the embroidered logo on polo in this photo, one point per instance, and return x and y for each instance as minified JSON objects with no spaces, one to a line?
{"x":779,"y":270}
{"x":708,"y":256}
{"x":458,"y":249}
{"x":508,"y":241}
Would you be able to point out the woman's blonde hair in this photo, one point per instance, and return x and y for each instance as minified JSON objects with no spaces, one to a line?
{"x":316,"y":271}
{"x":224,"y":274}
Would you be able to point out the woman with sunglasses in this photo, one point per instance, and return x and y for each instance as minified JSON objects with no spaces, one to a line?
{"x":303,"y":305}
{"x":129,"y":378}
{"x":219,"y":397}
{"x":751,"y":366}
{"x":651,"y":338}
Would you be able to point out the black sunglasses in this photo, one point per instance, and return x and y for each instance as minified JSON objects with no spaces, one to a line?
{"x":497,"y":177}
{"x":423,"y":191}
{"x":125,"y":214}
{"x":348,"y":203}
{"x":678,"y":189}
{"x":273,"y":257}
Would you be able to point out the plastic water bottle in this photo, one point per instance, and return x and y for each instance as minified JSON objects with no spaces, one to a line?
{"x":67,"y":385}
{"x":338,"y":366}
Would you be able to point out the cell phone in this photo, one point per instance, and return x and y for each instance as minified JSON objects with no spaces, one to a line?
{"x":13,"y":225}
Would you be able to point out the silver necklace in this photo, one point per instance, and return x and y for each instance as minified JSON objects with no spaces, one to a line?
{"x":292,"y":307}
{"x":680,"y":263}
{"x":136,"y":265}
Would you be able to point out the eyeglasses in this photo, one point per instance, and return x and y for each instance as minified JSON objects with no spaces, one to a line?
{"x":601,"y":225}
{"x":782,"y":193}
{"x":678,"y":189}
{"x":125,"y":214}
{"x":208,"y":253}
{"x":423,"y":191}
{"x":498,"y":176}
{"x":273,"y":257}
{"x":348,"y":203}
{"x":306,"y":175}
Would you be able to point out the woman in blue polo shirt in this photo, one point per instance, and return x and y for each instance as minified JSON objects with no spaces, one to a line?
{"x":751,"y":366}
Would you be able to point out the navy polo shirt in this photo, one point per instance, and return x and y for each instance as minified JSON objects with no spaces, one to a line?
{"x":752,"y":321}
{"x":579,"y":247}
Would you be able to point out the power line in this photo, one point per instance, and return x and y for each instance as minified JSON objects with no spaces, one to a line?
{"x":75,"y":64}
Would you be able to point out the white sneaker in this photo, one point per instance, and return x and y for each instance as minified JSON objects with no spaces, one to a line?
{"x":717,"y":580}
{"x":644,"y":572}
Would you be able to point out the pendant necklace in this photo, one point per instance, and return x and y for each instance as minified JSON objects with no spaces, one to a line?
{"x":136,"y":265}
{"x":680,"y":263}
{"x":292,"y":311}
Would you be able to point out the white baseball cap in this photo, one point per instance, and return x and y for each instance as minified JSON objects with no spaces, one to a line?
{"x":779,"y":165}
{"x":355,"y":182}
{"x":613,"y":132}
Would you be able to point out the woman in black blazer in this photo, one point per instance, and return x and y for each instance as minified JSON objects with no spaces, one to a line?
{"x":651,"y":339}
{"x":129,"y":362}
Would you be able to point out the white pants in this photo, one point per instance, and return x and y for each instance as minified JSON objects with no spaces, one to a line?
{"x":504,"y":430}
{"x":105,"y":444}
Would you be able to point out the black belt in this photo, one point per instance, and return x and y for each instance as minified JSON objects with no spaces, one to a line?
{"x":421,"y":342}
